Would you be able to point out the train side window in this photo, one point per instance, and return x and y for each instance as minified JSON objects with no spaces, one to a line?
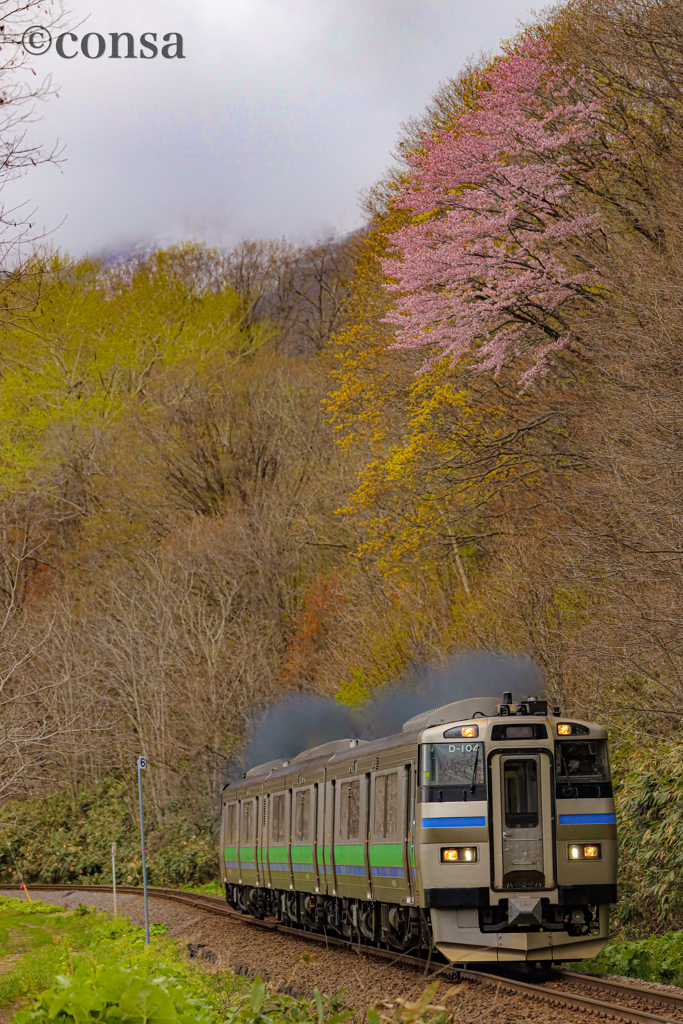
{"x":349,"y":811}
{"x":386,"y":806}
{"x":302,"y":816}
{"x":247,"y":836}
{"x":277,"y":824}
{"x":231,"y":824}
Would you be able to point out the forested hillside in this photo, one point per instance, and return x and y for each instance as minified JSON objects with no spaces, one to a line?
{"x":229,"y":475}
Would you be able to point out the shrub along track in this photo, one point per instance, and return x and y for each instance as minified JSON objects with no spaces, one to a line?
{"x":615,"y":1000}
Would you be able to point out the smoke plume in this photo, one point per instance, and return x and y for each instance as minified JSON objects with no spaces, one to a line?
{"x":301,"y":721}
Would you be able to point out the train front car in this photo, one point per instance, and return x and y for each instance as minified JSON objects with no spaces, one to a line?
{"x":516,"y":832}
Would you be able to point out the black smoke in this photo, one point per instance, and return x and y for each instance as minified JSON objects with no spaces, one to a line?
{"x":470,"y":674}
{"x":298,"y":722}
{"x":301,"y":721}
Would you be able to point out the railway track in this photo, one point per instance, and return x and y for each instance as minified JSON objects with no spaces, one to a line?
{"x":613,"y":1000}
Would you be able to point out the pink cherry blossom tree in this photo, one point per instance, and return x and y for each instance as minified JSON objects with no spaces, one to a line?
{"x":487,"y":267}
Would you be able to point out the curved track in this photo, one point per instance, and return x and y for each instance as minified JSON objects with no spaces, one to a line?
{"x":568,"y":989}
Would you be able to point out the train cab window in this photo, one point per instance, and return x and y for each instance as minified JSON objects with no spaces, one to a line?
{"x":302,"y":816}
{"x":247,"y":830}
{"x":349,"y":810}
{"x":386,"y":806}
{"x":521,"y":793}
{"x":581,"y":760}
{"x":277,"y":825}
{"x":231,"y":824}
{"x":452,"y":764}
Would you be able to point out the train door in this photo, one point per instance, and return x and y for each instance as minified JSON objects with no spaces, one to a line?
{"x":521,"y":812}
{"x":324,"y":871}
{"x":247,"y":847}
{"x":351,"y":837}
{"x":289,"y":835}
{"x":316,"y":835}
{"x":230,"y":842}
{"x":303,"y":832}
{"x":409,"y":831}
{"x":388,"y":848}
{"x":257,"y":838}
{"x":265,"y":844}
{"x":278,"y":860}
{"x":365,"y":833}
{"x":330,"y":813}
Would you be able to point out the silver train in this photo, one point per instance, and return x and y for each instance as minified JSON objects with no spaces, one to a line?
{"x":484,"y":831}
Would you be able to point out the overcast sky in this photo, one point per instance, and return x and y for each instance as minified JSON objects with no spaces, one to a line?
{"x":281,"y":111}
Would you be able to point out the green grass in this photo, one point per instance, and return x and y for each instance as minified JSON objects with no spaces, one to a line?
{"x":76,"y":966}
{"x":209,"y":888}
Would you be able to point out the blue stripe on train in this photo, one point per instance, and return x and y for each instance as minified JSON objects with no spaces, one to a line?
{"x":350,"y":869}
{"x":385,"y":872}
{"x":303,"y":867}
{"x":453,"y":822}
{"x":588,"y":819}
{"x":278,"y":867}
{"x":248,"y":864}
{"x":231,"y":864}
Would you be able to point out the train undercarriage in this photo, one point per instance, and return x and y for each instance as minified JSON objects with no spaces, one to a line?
{"x":385,"y":925}
{"x":397,"y":927}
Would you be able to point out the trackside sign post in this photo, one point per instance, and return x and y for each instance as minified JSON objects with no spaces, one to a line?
{"x":142,"y":764}
{"x":113,"y":874}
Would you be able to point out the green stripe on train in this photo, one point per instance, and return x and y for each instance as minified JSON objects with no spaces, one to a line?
{"x":302,"y":854}
{"x":381,"y":855}
{"x":347,"y":855}
{"x":278,"y":854}
{"x":386,"y":855}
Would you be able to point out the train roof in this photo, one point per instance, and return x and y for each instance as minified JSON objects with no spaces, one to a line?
{"x":327,"y":753}
{"x":458,"y":711}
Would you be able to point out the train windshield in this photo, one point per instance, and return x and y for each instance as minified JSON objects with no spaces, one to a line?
{"x":452,"y":764}
{"x":582,"y":759}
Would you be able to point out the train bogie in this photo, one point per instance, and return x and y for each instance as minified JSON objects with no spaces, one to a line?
{"x":485,"y":832}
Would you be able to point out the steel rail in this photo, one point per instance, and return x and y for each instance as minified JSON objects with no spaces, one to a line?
{"x":558,"y":997}
{"x":541,"y":993}
{"x":621,"y":988}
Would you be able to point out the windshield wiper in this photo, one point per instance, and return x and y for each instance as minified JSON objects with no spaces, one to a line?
{"x":474,"y":770}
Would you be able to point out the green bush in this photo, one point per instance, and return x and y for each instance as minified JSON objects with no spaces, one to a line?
{"x":61,"y":839}
{"x":656,"y":959}
{"x":649,"y":796}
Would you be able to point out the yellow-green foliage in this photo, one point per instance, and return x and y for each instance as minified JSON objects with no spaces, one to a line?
{"x":98,"y":340}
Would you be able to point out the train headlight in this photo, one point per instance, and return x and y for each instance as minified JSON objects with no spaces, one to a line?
{"x":462,"y":732}
{"x":577,"y":851}
{"x":459,"y":854}
{"x":572,"y":729}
